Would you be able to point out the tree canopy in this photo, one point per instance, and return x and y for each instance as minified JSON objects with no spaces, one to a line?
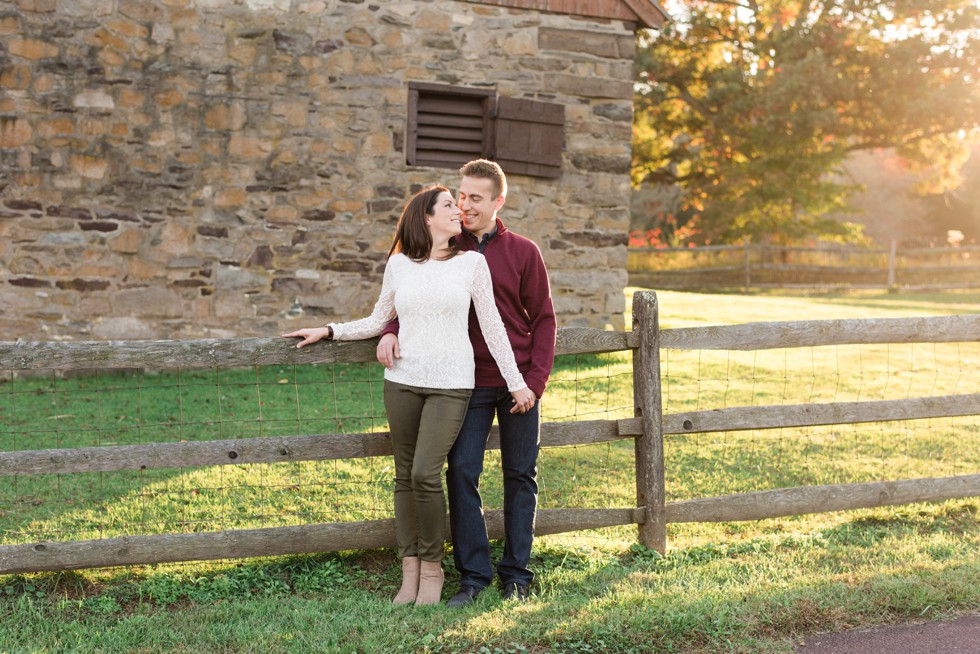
{"x":752,"y":106}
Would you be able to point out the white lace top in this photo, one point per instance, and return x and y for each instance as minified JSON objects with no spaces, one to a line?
{"x":432,"y":302}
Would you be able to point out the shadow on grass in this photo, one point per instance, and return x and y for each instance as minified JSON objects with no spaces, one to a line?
{"x":760,"y":595}
{"x":137,"y":407}
{"x":129,"y":408}
{"x":757,"y":595}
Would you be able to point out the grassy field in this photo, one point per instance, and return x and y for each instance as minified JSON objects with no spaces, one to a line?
{"x":732,"y":587}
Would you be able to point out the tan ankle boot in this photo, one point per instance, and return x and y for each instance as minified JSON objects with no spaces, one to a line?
{"x":410,"y":581}
{"x":430,"y":583}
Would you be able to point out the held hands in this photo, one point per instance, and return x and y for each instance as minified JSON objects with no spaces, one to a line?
{"x":524,"y":400}
{"x":309,"y":336}
{"x":388,"y":350}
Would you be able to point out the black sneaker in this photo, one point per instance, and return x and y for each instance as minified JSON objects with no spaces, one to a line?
{"x":465,"y":596}
{"x":516,"y":591}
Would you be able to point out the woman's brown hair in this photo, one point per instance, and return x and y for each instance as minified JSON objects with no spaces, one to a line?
{"x":412,"y":237}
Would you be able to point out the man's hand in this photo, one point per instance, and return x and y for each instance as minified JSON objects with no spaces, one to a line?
{"x":388,"y":350}
{"x":524,"y":400}
{"x":309,"y":336}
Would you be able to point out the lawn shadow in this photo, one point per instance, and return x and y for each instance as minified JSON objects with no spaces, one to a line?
{"x":139,"y":407}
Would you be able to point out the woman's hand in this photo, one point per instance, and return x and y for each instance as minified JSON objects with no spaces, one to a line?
{"x":388,"y":351}
{"x":524,"y":400}
{"x":310,"y":335}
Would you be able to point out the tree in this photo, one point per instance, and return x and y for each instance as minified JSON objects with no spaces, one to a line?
{"x":751,"y":105}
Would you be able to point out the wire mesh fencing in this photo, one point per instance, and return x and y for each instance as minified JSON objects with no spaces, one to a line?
{"x":50,"y":410}
{"x":740,"y":461}
{"x":290,"y":455}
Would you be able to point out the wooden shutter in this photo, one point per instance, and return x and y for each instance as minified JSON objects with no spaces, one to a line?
{"x":447,"y":125}
{"x":529,"y":137}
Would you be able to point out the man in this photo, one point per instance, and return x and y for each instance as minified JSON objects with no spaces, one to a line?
{"x":523,"y":296}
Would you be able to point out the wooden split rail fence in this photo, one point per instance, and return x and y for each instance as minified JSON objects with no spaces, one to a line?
{"x":651,"y":512}
{"x":753,"y":265}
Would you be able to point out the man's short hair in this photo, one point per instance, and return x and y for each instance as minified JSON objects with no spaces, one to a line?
{"x":487,"y":170}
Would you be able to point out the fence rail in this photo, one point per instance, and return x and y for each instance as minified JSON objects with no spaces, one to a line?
{"x":651,"y":512}
{"x":226,"y":353}
{"x":277,"y":449}
{"x":768,"y":266}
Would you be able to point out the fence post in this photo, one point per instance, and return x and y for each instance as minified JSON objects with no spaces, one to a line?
{"x":748,"y":263}
{"x":892,"y":254}
{"x":650,"y":494}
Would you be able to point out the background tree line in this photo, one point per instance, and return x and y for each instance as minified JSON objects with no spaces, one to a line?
{"x":750,"y":110}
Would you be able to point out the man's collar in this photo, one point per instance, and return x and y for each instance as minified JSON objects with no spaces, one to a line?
{"x":486,"y":237}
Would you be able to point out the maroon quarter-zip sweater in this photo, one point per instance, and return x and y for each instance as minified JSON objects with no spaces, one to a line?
{"x":523,"y":294}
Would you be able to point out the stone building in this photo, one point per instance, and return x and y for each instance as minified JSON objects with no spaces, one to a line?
{"x":225,"y":168}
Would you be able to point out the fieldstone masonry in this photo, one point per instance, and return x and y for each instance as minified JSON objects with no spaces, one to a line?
{"x":226,"y":168}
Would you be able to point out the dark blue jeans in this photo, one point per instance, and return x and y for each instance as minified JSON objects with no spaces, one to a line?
{"x":519,"y":440}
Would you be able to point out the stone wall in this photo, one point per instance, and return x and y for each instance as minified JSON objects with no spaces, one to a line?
{"x":223,"y":168}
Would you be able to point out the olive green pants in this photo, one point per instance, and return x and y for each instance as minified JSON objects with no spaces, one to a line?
{"x":424,"y":423}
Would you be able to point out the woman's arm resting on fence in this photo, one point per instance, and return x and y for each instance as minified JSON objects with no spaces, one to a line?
{"x":310,"y":335}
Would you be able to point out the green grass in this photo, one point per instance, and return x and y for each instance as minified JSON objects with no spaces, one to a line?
{"x":730,"y":587}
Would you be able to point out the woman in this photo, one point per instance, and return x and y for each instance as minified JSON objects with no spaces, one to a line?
{"x":429,"y":284}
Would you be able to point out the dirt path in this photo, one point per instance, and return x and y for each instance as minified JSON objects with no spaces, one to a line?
{"x":960,"y":636}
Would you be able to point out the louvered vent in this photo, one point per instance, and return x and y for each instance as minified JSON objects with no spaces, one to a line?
{"x":450,"y":128}
{"x":450,"y":125}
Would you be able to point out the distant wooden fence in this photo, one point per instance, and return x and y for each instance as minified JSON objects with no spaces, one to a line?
{"x":651,"y":512}
{"x":749,"y":265}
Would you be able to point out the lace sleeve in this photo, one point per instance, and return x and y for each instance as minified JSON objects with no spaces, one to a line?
{"x":384,"y":311}
{"x":493,"y":327}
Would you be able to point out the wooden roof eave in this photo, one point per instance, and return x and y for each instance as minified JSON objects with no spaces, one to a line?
{"x":649,"y":12}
